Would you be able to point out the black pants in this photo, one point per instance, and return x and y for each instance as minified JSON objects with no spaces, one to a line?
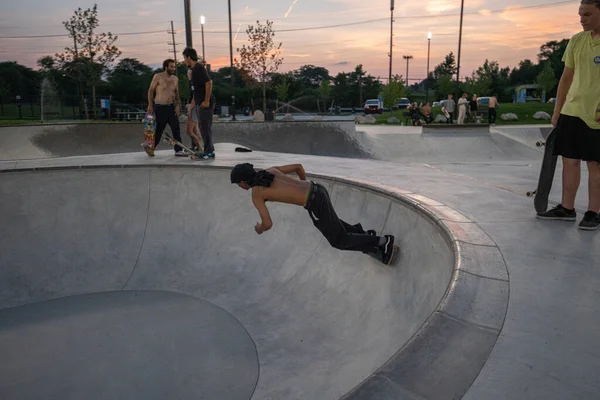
{"x":492,"y":116}
{"x":205,"y":117}
{"x":165,"y":114}
{"x":338,"y":233}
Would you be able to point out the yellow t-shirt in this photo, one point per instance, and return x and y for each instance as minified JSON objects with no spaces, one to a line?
{"x":583,"y":100}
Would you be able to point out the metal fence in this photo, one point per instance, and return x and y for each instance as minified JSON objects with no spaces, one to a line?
{"x":37,"y":108}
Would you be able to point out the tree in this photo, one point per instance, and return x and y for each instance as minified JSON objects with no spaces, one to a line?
{"x":91,"y":54}
{"x":129,"y":81}
{"x":447,"y":67}
{"x":261,"y":57}
{"x":393,"y":91}
{"x":552,"y":52}
{"x":446,"y":85}
{"x":312,"y":76}
{"x":546,"y":79}
{"x":525,"y":73}
{"x":325,"y":92}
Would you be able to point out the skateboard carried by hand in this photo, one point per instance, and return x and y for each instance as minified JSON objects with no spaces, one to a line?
{"x":193,"y":155}
{"x":546,"y":177}
{"x":149,"y":132}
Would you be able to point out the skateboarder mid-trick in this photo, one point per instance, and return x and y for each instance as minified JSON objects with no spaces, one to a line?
{"x":274,"y":184}
{"x":576,"y":118}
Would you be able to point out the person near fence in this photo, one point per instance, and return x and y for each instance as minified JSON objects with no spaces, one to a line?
{"x":164,"y":102}
{"x":191,"y":127}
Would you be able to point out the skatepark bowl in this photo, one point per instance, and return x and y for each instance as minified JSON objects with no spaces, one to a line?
{"x":150,"y":283}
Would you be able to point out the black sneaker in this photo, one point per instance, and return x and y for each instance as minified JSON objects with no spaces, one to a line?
{"x":590,"y":221}
{"x":558,"y":213}
{"x":387,"y":250}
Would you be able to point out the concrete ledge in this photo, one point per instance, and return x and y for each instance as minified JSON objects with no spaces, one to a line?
{"x":457,"y":129}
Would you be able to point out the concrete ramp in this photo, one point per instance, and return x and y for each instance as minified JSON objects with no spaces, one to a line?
{"x":155,"y":279}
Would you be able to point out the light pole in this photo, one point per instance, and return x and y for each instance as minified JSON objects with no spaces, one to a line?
{"x":407,"y":58}
{"x":188,"y":23}
{"x":231,"y":64}
{"x":427,"y":75}
{"x":391,"y":37}
{"x":462,"y":7}
{"x":202,"y":21}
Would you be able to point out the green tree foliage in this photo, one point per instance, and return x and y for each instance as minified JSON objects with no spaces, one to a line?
{"x":546,"y":79}
{"x":261,"y":57}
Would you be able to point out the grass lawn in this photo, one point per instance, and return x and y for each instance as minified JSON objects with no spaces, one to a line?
{"x":524,"y":111}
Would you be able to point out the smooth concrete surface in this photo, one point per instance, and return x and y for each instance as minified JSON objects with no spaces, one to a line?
{"x":548,"y":346}
{"x":125,"y":345}
{"x":322,"y":320}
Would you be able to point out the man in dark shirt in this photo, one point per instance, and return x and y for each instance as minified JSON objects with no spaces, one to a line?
{"x":203,"y":101}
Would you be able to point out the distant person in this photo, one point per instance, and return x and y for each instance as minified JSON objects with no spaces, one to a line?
{"x":462,"y":108}
{"x":576,"y":119}
{"x":449,"y":107}
{"x":473,"y":106}
{"x":492,"y":106}
{"x":274,"y":184}
{"x":203,"y":101}
{"x":192,"y":128}
{"x":426,"y":113}
{"x":166,"y":105}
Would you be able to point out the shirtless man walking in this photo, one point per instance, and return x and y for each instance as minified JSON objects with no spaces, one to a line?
{"x":166,"y":104}
{"x":274,"y":184}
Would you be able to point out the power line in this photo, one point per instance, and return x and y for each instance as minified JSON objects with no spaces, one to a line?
{"x":329,"y":26}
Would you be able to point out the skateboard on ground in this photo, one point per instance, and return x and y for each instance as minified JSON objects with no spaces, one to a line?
{"x":149,"y":131}
{"x":193,"y":155}
{"x":541,"y":193}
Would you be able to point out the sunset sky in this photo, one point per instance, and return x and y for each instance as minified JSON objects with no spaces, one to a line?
{"x":506,"y":31}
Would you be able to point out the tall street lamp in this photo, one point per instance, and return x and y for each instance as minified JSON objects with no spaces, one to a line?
{"x":231,"y":64}
{"x":202,"y":21}
{"x":407,"y":58}
{"x":427,"y":75}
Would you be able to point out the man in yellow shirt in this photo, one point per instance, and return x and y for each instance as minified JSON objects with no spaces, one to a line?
{"x":576,"y":118}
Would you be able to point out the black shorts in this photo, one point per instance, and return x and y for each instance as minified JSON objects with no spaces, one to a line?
{"x":576,"y":140}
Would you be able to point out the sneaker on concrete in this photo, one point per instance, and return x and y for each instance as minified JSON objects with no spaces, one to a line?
{"x":558,"y":213}
{"x":387,"y":250}
{"x":590,"y":221}
{"x":180,"y":153}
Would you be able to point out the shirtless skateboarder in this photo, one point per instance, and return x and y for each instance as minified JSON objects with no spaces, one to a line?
{"x":166,"y":104}
{"x":274,"y":184}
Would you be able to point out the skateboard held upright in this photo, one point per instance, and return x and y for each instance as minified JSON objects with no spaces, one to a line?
{"x":540,"y":201}
{"x":149,"y":132}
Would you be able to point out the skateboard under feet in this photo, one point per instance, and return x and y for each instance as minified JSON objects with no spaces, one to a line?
{"x":193,"y":155}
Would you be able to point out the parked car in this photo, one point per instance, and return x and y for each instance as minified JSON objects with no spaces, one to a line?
{"x":373,"y":106}
{"x":401,"y":104}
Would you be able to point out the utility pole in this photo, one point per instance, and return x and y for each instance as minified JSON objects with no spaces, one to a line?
{"x":407,"y":58}
{"x":462,"y":7}
{"x":172,"y":43}
{"x":231,"y":64}
{"x":391,"y":37}
{"x":188,"y":23}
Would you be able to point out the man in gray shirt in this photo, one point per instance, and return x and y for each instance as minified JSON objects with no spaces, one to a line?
{"x":450,"y":108}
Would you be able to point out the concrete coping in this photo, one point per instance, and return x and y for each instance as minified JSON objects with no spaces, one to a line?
{"x":448,"y":351}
